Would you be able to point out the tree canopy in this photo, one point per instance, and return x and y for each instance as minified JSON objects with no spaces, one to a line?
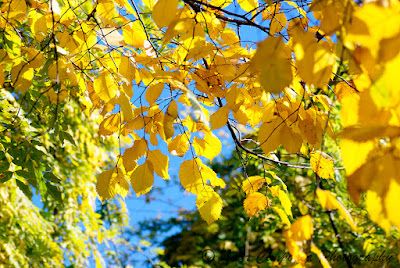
{"x":117,"y":89}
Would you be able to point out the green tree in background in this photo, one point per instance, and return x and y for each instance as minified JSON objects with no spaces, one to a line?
{"x":65,"y":224}
{"x":236,"y":241}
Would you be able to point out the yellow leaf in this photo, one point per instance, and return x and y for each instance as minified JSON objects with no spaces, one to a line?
{"x":164,"y":12}
{"x":106,"y":10}
{"x":126,"y":70}
{"x":194,"y":175}
{"x":301,"y":229}
{"x":285,"y":201}
{"x":363,"y":134}
{"x":103,"y":184}
{"x":320,"y":255}
{"x":355,"y":154}
{"x":22,"y":76}
{"x":209,"y":204}
{"x":255,"y":202}
{"x":253,"y":183}
{"x":142,"y":179}
{"x":220,"y":3}
{"x":314,"y":60}
{"x":322,"y":164}
{"x":392,"y":201}
{"x":109,"y":125}
{"x":126,"y":107}
{"x":219,"y":118}
{"x":169,"y":117}
{"x":283,"y":216}
{"x":131,"y":155}
{"x":105,"y":86}
{"x":248,"y":5}
{"x":329,"y":202}
{"x":272,"y":62}
{"x":134,"y":34}
{"x":290,"y":140}
{"x":271,"y":11}
{"x":209,"y":147}
{"x":375,"y":208}
{"x":160,"y":163}
{"x":343,"y":90}
{"x":179,"y":145}
{"x":153,"y":92}
{"x":268,"y":135}
{"x":278,"y":23}
{"x":110,"y":183}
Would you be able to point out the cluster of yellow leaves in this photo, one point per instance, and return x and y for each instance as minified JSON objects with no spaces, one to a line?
{"x":194,"y":176}
{"x":289,"y":124}
{"x":256,"y":201}
{"x":370,"y":110}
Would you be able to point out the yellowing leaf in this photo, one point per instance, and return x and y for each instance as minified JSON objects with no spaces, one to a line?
{"x":142,"y":179}
{"x":253,"y":183}
{"x":127,"y":70}
{"x":322,"y":164}
{"x":109,"y":125}
{"x":134,"y":34}
{"x":131,"y":155}
{"x":160,"y":163}
{"x":153,"y":92}
{"x":248,"y":5}
{"x":194,"y":175}
{"x":22,"y":76}
{"x":126,"y":107}
{"x":209,"y":204}
{"x":110,"y":183}
{"x":301,"y":229}
{"x":179,"y":145}
{"x":255,"y":202}
{"x":164,"y":12}
{"x":170,"y":115}
{"x":282,"y":215}
{"x":320,"y":255}
{"x":285,"y":201}
{"x":343,"y":90}
{"x":271,"y":11}
{"x":106,"y":10}
{"x":209,"y":147}
{"x":329,"y":202}
{"x":268,"y":135}
{"x":363,"y":134}
{"x":314,"y":59}
{"x":375,"y":210}
{"x":273,"y":65}
{"x":392,"y":200}
{"x":278,"y":23}
{"x":105,"y":86}
{"x":219,"y":118}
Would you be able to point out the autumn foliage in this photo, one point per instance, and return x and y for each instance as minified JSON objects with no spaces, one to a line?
{"x":160,"y":77}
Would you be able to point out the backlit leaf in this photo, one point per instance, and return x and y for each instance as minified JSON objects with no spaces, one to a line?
{"x":142,"y":179}
{"x":322,"y":164}
{"x":164,"y":12}
{"x":209,"y":204}
{"x":105,"y":86}
{"x":255,"y":202}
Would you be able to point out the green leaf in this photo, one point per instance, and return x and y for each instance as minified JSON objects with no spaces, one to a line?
{"x":26,"y":189}
{"x":5,"y":176}
{"x":51,"y":177}
{"x":55,"y":192}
